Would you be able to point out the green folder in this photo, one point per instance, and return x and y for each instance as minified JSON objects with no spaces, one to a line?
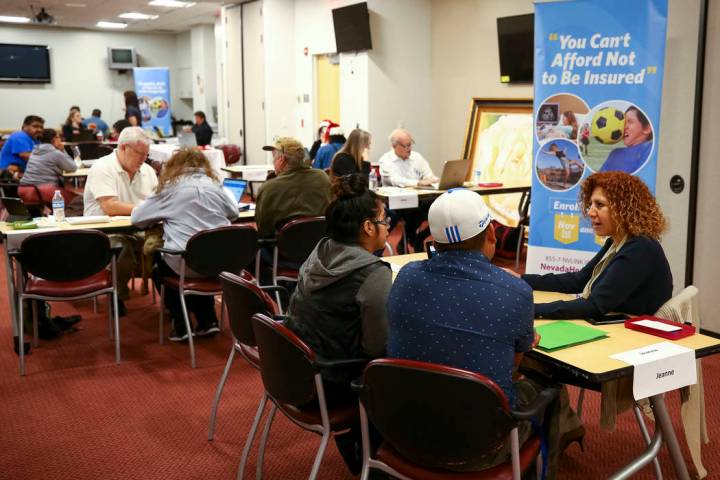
{"x":557,"y":335}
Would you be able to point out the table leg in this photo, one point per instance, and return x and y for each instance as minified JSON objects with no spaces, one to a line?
{"x":644,"y":459}
{"x":12,"y":298}
{"x":663,"y":422}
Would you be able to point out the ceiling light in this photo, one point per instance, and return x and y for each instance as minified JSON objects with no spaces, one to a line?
{"x":137,"y":16}
{"x":76,"y":5}
{"x":116,"y":25}
{"x":6,"y":18}
{"x":171,"y":3}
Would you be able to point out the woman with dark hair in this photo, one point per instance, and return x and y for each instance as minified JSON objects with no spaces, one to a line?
{"x":188,"y":199}
{"x":637,"y":136}
{"x":202,"y":130}
{"x":630,"y":274}
{"x":338,"y":307}
{"x":132,"y":109}
{"x":352,"y":157}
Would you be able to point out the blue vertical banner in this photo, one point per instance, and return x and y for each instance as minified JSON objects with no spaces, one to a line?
{"x":152,"y":86}
{"x":598,"y":86}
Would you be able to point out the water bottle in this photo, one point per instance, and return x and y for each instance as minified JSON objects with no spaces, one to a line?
{"x":373,"y":179}
{"x":58,"y":207}
{"x":477,"y":175}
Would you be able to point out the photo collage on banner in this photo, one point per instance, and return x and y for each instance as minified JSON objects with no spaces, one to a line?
{"x":152,"y":86}
{"x":598,"y":87}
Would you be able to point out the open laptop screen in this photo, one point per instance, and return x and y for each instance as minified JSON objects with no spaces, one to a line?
{"x":235,"y":187}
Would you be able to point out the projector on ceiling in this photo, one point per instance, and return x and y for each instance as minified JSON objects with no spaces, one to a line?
{"x":43,"y":17}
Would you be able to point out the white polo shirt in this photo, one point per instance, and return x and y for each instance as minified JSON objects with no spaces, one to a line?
{"x":107,"y":178}
{"x":405,"y":173}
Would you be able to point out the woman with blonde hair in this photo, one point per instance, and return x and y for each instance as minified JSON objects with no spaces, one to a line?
{"x":630,"y":274}
{"x":353,"y":156}
{"x":189,"y":198}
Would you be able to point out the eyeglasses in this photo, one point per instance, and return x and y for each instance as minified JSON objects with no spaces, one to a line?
{"x":385,"y":221}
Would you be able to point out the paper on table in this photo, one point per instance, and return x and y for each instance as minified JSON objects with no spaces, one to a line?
{"x":659,"y":368}
{"x":395,"y":268}
{"x":658,"y":325}
{"x":402,"y":199}
{"x":255,"y":174}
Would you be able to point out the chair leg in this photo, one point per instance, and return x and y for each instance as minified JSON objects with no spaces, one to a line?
{"x":189,"y":330}
{"x":218,"y":393}
{"x":646,"y":437}
{"x":162,"y":314}
{"x":319,"y":456}
{"x":521,"y":238}
{"x":515,"y":454}
{"x":263,"y":441}
{"x":116,"y":316}
{"x":21,"y":337}
{"x":110,"y":310}
{"x":222,"y":312}
{"x":35,"y":340}
{"x":251,"y":436}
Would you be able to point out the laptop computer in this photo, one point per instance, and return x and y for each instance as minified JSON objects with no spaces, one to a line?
{"x":187,"y":140}
{"x":453,"y":175}
{"x":235,"y":187}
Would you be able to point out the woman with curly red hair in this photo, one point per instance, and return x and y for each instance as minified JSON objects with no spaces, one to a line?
{"x":630,"y":274}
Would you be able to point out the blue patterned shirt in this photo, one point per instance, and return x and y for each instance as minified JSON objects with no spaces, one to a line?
{"x":458,"y":309}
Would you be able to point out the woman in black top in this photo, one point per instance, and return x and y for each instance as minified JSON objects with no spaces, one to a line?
{"x":132,"y":109}
{"x":202,"y":130}
{"x":352,"y":157}
{"x":73,"y":125}
{"x":630,"y":274}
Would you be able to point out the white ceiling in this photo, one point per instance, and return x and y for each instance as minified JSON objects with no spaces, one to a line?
{"x":169,"y":20}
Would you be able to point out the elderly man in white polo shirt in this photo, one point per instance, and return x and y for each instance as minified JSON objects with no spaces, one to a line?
{"x":115,"y":184}
{"x":402,"y":167}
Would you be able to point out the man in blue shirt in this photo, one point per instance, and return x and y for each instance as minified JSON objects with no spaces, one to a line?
{"x":459,"y":309}
{"x":16,"y":151}
{"x":99,"y":122}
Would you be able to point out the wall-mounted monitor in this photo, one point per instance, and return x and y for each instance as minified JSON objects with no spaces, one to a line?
{"x":24,"y":63}
{"x":352,"y":28}
{"x":516,"y":39}
{"x":122,"y":58}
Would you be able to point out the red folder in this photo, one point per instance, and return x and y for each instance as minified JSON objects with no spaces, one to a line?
{"x":490,"y":184}
{"x":685,"y":330}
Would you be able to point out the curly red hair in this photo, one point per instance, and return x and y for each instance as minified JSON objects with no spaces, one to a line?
{"x":631,"y":204}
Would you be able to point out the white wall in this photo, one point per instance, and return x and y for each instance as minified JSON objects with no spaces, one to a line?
{"x":465,"y":64}
{"x":80,"y":75}
{"x":280,"y":52}
{"x":181,"y":78}
{"x":202,"y":45}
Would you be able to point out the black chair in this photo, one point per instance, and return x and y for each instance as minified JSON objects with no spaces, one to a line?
{"x":294,"y":243}
{"x":243,"y":299}
{"x":290,"y":373}
{"x":523,"y":223}
{"x":431,"y":415}
{"x":208,"y":253}
{"x":59,"y":267}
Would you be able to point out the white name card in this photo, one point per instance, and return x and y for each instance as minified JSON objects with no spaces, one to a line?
{"x":255,"y":174}
{"x":400,"y":200}
{"x":659,"y":368}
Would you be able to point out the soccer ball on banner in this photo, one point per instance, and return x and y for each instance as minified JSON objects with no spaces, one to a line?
{"x":607,"y":125}
{"x":159,"y":107}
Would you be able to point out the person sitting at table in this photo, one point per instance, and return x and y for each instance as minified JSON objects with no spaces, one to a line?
{"x":338,"y":307}
{"x":45,"y":167}
{"x":325,"y":154}
{"x":403,"y":167}
{"x":352,"y":157}
{"x":99,"y":124}
{"x":202,"y":130}
{"x":115,"y":184}
{"x":630,"y":274}
{"x":460,"y":310}
{"x":18,"y":147}
{"x":323,"y":137}
{"x":188,"y":199}
{"x":73,"y":125}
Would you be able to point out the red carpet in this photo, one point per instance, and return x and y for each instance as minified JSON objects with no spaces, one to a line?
{"x":77,"y":415}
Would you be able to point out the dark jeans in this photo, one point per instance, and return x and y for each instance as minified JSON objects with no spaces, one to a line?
{"x":202,"y":306}
{"x":413,"y":219}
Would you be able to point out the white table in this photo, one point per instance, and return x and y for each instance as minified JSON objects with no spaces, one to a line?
{"x":162,"y":153}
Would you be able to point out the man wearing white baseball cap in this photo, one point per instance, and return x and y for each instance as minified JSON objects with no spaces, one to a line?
{"x":459,"y":309}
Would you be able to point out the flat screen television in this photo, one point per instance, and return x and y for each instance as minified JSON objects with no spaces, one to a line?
{"x":24,"y":63}
{"x":352,"y":28}
{"x":516,"y":39}
{"x":121,"y":58}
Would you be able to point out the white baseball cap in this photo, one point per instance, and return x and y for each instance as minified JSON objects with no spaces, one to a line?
{"x":457,"y":215}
